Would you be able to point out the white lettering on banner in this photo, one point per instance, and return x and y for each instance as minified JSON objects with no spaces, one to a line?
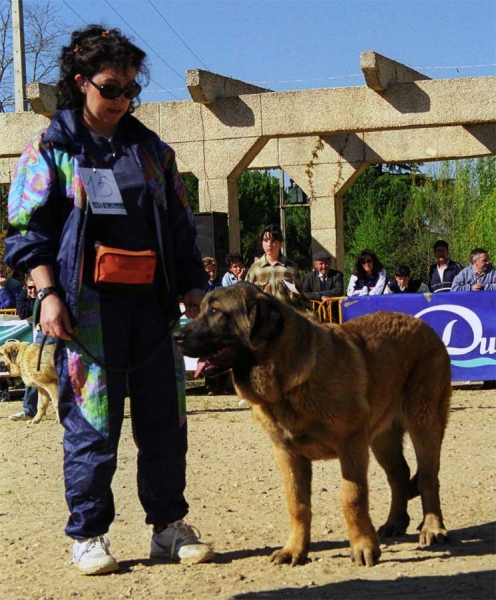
{"x":486,"y":346}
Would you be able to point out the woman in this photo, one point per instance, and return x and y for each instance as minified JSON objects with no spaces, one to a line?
{"x":96,"y":185}
{"x":275,"y":274}
{"x":369,"y":278}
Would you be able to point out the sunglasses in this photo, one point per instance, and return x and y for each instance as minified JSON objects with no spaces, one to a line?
{"x":31,"y":287}
{"x":367,"y":261}
{"x":111,"y":91}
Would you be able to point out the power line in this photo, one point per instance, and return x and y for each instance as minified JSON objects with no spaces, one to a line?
{"x":86,"y":22}
{"x":144,"y":41}
{"x":77,"y":15}
{"x":458,"y":67}
{"x":179,"y":37}
{"x":455,"y":68}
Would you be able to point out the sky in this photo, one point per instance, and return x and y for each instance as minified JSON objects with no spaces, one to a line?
{"x":295,"y":44}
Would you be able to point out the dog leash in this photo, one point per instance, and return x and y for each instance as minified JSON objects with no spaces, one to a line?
{"x":102,"y":364}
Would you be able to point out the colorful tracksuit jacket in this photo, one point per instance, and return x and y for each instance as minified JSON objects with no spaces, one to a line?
{"x":48,"y":210}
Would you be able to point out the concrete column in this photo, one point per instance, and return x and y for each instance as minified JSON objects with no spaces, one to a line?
{"x":329,"y":183}
{"x":326,"y":177}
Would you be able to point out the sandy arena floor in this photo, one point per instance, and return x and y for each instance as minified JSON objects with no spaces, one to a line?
{"x":237,"y":502}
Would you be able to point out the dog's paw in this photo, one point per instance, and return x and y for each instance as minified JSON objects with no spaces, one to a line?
{"x":288,"y":556}
{"x":365,"y":553}
{"x":429,"y":536}
{"x":394,"y":527}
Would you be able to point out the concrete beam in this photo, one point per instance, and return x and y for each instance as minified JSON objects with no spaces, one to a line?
{"x":381,"y":72}
{"x":406,"y":105}
{"x":42,"y":98}
{"x":206,"y":87}
{"x":17,"y":129}
{"x":378,"y":147}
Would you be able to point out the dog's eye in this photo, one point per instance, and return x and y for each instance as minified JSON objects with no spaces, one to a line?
{"x":212,"y":310}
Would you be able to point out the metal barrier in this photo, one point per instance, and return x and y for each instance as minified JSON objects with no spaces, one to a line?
{"x":328,"y":311}
{"x":8,"y":311}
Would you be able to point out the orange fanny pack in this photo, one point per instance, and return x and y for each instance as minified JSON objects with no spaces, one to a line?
{"x":124,"y":269}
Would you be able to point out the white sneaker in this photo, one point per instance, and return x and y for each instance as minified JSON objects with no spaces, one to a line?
{"x":92,"y":556}
{"x":179,"y":542}
{"x":20,"y":416}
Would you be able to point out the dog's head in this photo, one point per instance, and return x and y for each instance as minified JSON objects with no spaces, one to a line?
{"x":234,"y":324}
{"x":8,"y":357}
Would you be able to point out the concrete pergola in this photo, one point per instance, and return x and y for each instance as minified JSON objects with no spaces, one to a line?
{"x":400,"y":115}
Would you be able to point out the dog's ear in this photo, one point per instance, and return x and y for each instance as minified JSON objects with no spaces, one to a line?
{"x":266,"y":320}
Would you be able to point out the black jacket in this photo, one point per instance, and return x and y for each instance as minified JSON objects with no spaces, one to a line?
{"x":25,"y":305}
{"x":435,"y":284}
{"x":334,"y":285}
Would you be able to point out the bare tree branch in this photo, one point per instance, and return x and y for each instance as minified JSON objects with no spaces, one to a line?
{"x":44,"y":33}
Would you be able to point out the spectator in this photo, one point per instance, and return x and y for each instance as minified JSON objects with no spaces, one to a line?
{"x":369,"y":276}
{"x":210,"y":266}
{"x":236,"y":270}
{"x":442,"y":273}
{"x":217,"y":385}
{"x":275,"y":274}
{"x":323,"y":283}
{"x":479,"y":276}
{"x":26,"y":299}
{"x":113,"y":327}
{"x":404,"y":284}
{"x":10,"y":288}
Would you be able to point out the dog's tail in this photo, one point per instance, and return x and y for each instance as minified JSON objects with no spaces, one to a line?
{"x":413,"y":490}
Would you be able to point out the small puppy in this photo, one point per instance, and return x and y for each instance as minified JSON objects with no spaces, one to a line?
{"x":20,"y":359}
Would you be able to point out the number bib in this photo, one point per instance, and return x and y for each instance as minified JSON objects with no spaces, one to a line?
{"x":103,"y":194}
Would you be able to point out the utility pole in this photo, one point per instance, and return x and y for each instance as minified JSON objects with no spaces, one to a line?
{"x":19,"y":56}
{"x":281,"y":208}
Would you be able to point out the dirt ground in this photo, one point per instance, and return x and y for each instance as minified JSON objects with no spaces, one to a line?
{"x":237,"y":502}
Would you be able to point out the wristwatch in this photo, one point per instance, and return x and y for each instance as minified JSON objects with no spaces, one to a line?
{"x":44,"y":292}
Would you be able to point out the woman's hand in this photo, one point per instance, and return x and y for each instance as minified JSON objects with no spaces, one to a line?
{"x":54,"y":318}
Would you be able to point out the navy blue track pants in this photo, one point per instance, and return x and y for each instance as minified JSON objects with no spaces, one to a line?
{"x":132,"y":329}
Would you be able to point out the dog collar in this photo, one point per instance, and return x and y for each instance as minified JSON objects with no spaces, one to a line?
{"x":44,"y":292}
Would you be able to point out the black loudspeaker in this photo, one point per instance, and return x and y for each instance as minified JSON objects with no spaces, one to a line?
{"x":213,"y":236}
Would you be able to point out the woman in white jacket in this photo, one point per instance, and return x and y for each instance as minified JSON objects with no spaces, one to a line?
{"x":369,"y":277}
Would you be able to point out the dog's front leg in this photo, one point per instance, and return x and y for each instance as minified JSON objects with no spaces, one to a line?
{"x":364,"y":542}
{"x":297,"y":477}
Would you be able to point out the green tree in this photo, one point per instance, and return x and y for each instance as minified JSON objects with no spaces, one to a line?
{"x":456,"y":202}
{"x":374,"y":209}
{"x":258,"y":193}
{"x":191,"y":185}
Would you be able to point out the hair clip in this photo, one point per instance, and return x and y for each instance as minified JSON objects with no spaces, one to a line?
{"x":106,"y":33}
{"x":77,"y":49}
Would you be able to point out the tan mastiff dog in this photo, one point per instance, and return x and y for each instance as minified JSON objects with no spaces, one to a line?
{"x":334,"y":391}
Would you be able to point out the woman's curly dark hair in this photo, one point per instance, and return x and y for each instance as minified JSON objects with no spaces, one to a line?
{"x":359,"y":270}
{"x":90,"y":51}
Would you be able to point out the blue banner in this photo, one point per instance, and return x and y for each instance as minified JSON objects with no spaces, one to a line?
{"x":465,"y":321}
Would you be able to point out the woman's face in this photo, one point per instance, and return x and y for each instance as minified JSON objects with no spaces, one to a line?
{"x":100,"y":114}
{"x":367,"y":264}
